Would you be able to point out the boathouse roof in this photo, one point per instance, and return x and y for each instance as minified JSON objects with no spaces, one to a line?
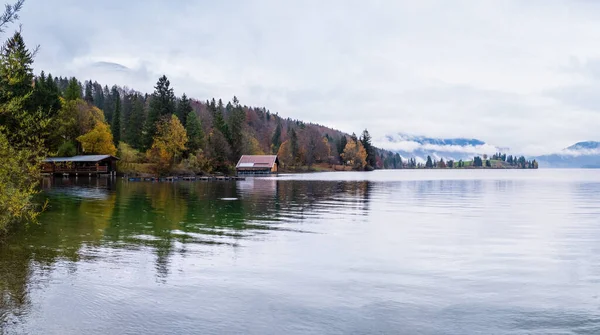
{"x":257,"y":161}
{"x":82,"y":158}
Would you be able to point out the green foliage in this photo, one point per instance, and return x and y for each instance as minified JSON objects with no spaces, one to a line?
{"x":371,"y":154}
{"x":194,"y":132}
{"x":89,"y":94}
{"x":295,"y":151}
{"x":162,"y":103}
{"x":73,"y":91}
{"x":134,"y":129}
{"x":184,"y":107}
{"x":127,"y":154}
{"x":237,"y":119}
{"x":276,"y":139}
{"x":19,"y":175}
{"x":67,"y":149}
{"x":116,"y":121}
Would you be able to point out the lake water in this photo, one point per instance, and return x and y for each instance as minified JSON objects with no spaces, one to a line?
{"x":394,"y":252}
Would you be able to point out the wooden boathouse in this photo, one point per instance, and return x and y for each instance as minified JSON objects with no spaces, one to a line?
{"x":257,"y":165}
{"x":85,"y":164}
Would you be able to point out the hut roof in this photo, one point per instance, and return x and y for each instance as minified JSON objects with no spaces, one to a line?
{"x":82,"y":158}
{"x":257,"y":161}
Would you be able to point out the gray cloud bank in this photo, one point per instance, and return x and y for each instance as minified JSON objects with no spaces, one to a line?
{"x":521,"y":74}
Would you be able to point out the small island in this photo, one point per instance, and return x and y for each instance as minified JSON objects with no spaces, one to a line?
{"x":496,"y":161}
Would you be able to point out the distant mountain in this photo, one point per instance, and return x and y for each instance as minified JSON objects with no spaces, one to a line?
{"x":579,"y":155}
{"x":419,"y":147}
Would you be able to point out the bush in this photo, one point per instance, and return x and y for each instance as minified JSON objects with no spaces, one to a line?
{"x":19,"y":178}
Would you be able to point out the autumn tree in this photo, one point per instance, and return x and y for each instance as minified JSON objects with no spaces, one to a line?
{"x":285,"y":154}
{"x":355,"y":155}
{"x":219,"y":150}
{"x":98,"y":141}
{"x":22,"y":129}
{"x":168,"y":144}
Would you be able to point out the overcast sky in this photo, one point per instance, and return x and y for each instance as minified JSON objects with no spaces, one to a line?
{"x":518,"y":74}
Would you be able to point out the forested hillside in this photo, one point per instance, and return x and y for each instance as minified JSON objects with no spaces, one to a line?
{"x":162,"y":133}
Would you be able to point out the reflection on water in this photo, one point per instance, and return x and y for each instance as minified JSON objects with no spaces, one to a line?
{"x":431,"y":252}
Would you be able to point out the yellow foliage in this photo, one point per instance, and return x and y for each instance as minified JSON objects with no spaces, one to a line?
{"x":285,"y":154}
{"x":127,"y":154}
{"x":355,"y":155}
{"x":98,"y":141}
{"x":252,"y":146}
{"x":169,"y":142}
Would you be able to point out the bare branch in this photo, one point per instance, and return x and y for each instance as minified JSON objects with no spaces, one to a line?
{"x":10,"y":14}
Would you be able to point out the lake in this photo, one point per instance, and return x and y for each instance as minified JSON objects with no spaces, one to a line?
{"x":394,"y":252}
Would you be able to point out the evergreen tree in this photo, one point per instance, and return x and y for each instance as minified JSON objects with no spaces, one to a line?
{"x":162,"y":103}
{"x":294,"y":145}
{"x":116,"y":121}
{"x":18,"y":116}
{"x":134,"y":129}
{"x":371,"y":155}
{"x":429,"y":163}
{"x":237,"y":119}
{"x":184,"y":107}
{"x":73,"y":90}
{"x":98,"y":97}
{"x":276,"y":139}
{"x":194,"y":132}
{"x":89,"y":94}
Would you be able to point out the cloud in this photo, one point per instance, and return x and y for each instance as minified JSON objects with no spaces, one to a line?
{"x":410,"y":146}
{"x":521,"y":74}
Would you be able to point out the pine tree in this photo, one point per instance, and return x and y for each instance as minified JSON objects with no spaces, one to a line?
{"x":194,"y":132}
{"x":162,"y":103}
{"x":371,"y":155}
{"x":116,"y":121}
{"x":276,"y":139}
{"x":89,"y":95}
{"x":184,"y":107}
{"x":294,"y":145}
{"x":429,"y":163}
{"x":73,"y":90}
{"x":237,"y":119}
{"x":98,"y":95}
{"x":135,"y":126}
{"x":17,"y":114}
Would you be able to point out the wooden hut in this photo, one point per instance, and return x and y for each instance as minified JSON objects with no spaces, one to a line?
{"x":257,"y":164}
{"x":85,"y":164}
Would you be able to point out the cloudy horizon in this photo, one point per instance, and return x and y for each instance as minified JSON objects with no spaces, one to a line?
{"x":515,"y":74}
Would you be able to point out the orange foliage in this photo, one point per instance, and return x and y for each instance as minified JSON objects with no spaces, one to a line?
{"x":355,"y":155}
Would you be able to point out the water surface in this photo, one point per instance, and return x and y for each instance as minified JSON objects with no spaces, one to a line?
{"x":395,"y":252}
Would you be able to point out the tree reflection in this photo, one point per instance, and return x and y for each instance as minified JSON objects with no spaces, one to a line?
{"x":89,"y":215}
